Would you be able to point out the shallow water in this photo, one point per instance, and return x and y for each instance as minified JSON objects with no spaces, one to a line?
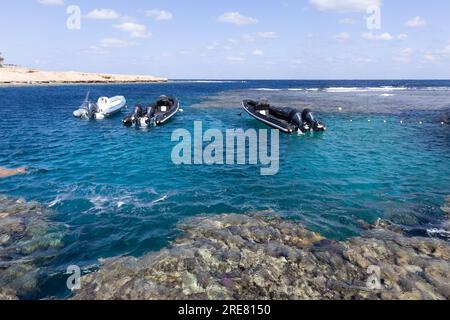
{"x":118,"y":192}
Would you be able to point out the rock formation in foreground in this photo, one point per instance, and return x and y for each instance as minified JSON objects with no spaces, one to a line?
{"x":19,"y":75}
{"x":27,"y":242}
{"x":258,"y":257}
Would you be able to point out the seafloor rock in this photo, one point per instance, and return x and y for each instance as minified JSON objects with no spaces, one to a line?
{"x":446,"y":208}
{"x":4,"y":173}
{"x":27,"y":239}
{"x":7,"y":294}
{"x":260,"y":257}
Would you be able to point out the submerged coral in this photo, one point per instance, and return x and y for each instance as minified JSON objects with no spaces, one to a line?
{"x":260,"y":257}
{"x":26,"y":242}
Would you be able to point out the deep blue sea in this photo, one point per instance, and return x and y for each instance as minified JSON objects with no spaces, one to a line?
{"x":385,"y":154}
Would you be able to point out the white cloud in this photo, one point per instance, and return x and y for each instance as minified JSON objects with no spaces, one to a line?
{"x":159,"y":15}
{"x":342,"y":37}
{"x":115,"y":43}
{"x":268,"y":35}
{"x":51,"y":2}
{"x":96,"y":50}
{"x":108,"y":43}
{"x":363,"y":60}
{"x":136,"y":30}
{"x":416,"y":22}
{"x":438,"y":55}
{"x":404,"y":55}
{"x":347,"y":21}
{"x":213,"y":45}
{"x":102,"y":14}
{"x":430,"y":57}
{"x":248,"y":38}
{"x":381,"y":37}
{"x":297,"y":61}
{"x":344,"y":5}
{"x":235,"y":59}
{"x":402,"y":36}
{"x":236,"y":18}
{"x":446,"y":51}
{"x":258,"y":52}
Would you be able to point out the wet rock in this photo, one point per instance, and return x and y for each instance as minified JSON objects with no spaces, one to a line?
{"x":7,"y":294}
{"x":27,"y":239}
{"x":260,"y":257}
{"x":4,"y":173}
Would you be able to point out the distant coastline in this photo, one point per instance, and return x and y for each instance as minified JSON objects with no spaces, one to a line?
{"x":15,"y":75}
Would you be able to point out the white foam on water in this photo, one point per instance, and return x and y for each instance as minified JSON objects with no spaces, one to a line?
{"x":57,"y":200}
{"x":159,"y":200}
{"x":209,"y":81}
{"x":364,"y":89}
{"x":267,"y":89}
{"x":360,"y":89}
{"x":438,"y":232}
{"x":99,"y":202}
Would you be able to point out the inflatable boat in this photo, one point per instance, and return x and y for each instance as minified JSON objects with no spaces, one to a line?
{"x":104,"y":107}
{"x":155,"y":114}
{"x":286,"y":119}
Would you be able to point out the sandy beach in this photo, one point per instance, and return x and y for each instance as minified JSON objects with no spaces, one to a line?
{"x":21,"y":76}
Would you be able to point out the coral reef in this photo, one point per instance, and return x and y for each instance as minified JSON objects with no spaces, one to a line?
{"x":260,"y":257}
{"x":27,"y":239}
{"x":232,"y":256}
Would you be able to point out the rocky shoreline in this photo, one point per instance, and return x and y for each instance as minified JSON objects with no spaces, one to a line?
{"x":234,"y":256}
{"x":27,"y":242}
{"x":259,"y":257}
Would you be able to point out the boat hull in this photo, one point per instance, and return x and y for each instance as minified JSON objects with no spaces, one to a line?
{"x":250,"y":107}
{"x":154,"y":114}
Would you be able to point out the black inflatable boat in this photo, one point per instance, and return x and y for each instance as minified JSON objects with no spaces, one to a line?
{"x":286,"y":119}
{"x":155,"y":114}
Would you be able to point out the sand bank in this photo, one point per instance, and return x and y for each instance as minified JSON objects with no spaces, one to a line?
{"x":20,"y":75}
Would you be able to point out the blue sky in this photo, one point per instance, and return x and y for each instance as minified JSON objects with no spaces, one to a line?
{"x":206,"y":39}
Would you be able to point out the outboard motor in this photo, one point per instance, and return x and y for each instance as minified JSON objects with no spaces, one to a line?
{"x":151,"y":111}
{"x":87,"y":110}
{"x":134,"y":116}
{"x":92,"y":109}
{"x":138,"y":112}
{"x":296,"y":119}
{"x":309,"y":120}
{"x":150,"y":114}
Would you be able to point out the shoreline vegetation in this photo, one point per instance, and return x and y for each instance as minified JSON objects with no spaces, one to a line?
{"x":236,"y":256}
{"x":14,"y":75}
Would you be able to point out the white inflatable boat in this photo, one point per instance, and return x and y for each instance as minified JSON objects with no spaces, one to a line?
{"x":103,"y":108}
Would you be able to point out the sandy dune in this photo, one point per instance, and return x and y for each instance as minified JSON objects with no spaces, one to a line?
{"x":20,"y":75}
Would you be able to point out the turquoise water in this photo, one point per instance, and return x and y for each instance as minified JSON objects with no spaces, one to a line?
{"x":118,"y":192}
